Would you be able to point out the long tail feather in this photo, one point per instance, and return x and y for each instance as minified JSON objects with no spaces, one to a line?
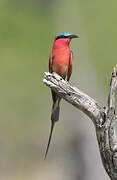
{"x":54,"y":118}
{"x":55,"y":111}
{"x":52,"y":127}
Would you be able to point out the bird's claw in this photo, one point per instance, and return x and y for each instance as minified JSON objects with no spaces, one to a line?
{"x":57,"y":77}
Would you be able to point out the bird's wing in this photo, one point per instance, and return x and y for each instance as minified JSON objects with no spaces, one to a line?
{"x":50,"y":63}
{"x":70,"y":65}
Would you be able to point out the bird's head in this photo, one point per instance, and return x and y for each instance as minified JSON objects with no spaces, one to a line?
{"x":65,"y":37}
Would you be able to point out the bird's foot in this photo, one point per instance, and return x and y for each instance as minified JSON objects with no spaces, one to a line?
{"x":57,"y":77}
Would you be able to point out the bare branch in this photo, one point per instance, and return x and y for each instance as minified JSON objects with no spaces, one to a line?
{"x":75,"y":97}
{"x":107,"y":136}
{"x":113,"y":88}
{"x":104,"y":119}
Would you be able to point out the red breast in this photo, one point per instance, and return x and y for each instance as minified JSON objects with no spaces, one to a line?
{"x":61,"y":55}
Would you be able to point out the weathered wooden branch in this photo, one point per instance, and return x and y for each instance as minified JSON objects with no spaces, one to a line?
{"x":104,"y":118}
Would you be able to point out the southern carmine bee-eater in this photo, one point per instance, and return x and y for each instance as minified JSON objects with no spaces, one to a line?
{"x":61,"y":62}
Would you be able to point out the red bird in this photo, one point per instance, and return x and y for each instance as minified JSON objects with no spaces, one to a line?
{"x":61,"y":62}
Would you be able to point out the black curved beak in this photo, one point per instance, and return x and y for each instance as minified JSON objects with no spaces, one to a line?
{"x":73,"y":36}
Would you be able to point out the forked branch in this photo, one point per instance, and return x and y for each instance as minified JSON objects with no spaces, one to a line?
{"x":104,"y":119}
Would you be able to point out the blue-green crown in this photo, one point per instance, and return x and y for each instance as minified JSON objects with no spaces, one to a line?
{"x":66,"y":34}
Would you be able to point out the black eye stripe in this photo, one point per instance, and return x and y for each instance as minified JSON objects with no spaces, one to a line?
{"x":62,"y":36}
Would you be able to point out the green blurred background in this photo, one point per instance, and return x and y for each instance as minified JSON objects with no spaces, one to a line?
{"x":27,"y":30}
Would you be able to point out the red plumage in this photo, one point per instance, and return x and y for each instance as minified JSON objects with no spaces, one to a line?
{"x":61,"y":62}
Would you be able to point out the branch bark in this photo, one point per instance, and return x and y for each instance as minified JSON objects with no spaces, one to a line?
{"x":104,"y":118}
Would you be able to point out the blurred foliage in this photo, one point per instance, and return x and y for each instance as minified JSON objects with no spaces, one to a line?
{"x":24,"y":34}
{"x":99,"y":20}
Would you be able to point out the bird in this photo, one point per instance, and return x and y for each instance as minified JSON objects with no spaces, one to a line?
{"x":60,"y":62}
